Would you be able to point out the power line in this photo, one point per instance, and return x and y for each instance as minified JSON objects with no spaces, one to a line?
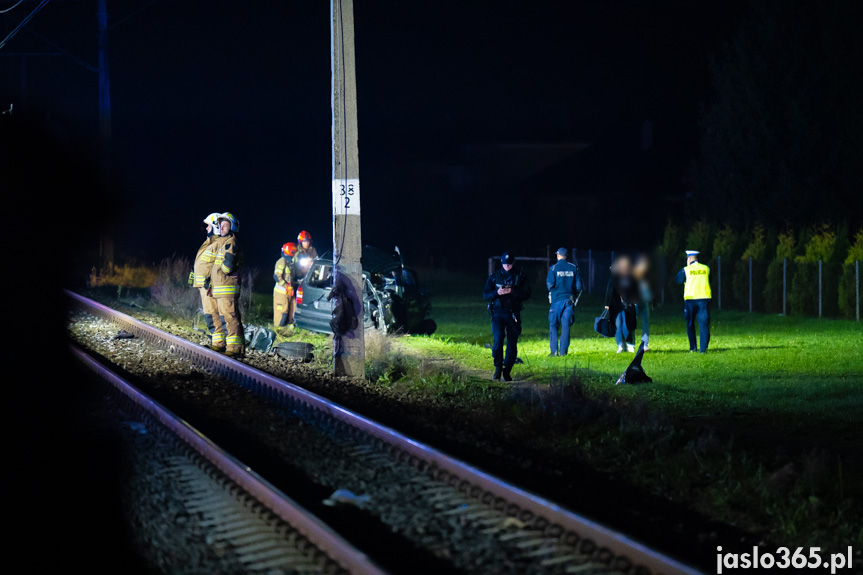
{"x":23,"y":23}
{"x":133,"y":13}
{"x":10,"y":8}
{"x":77,"y":60}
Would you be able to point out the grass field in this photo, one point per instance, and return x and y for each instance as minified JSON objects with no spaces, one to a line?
{"x":763,"y":431}
{"x":798,"y":374}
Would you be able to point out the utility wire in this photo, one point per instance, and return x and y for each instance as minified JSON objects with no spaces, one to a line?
{"x":131,"y":14}
{"x":65,"y":52}
{"x":10,"y":8}
{"x":23,"y":23}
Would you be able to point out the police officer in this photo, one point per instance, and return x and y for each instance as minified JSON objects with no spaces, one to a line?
{"x":696,"y":296}
{"x":505,"y":291}
{"x":564,"y":287}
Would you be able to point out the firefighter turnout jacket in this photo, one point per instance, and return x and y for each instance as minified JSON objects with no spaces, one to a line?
{"x":697,"y":281}
{"x":224,"y":276}
{"x":203,"y":263}
{"x":303,"y":260}
{"x":282,"y":277}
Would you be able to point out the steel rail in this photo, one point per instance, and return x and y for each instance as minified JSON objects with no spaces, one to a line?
{"x":318,"y":533}
{"x":609,"y":545}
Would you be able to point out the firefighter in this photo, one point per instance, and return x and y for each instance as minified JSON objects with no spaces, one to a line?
{"x":225,"y":287}
{"x":306,"y":253}
{"x":696,"y":299}
{"x":505,"y":291}
{"x":283,"y":292}
{"x":199,"y":276}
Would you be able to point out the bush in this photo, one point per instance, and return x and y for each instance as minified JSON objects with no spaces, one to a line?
{"x":725,"y":246}
{"x":756,"y":249}
{"x":820,"y":246}
{"x":671,"y":250}
{"x":848,"y":291}
{"x":785,"y":245}
{"x":803,"y":295}
{"x":124,"y":277}
{"x":855,"y":251}
{"x":725,"y":242}
{"x":700,"y":238}
{"x":848,"y":280}
{"x":773,"y":288}
{"x":171,"y":290}
{"x":773,"y":285}
{"x":740,"y":283}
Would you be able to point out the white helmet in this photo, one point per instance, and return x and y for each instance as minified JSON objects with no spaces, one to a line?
{"x":213,"y":220}
{"x":235,"y":223}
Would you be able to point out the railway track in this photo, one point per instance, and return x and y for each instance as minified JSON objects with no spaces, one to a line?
{"x":526,"y":532}
{"x":266,"y":529}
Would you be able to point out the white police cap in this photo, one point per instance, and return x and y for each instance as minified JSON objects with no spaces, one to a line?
{"x":692,"y":252}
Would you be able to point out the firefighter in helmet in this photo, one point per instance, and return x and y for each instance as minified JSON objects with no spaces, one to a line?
{"x":283,"y":292}
{"x":199,"y":276}
{"x":225,"y":287}
{"x":306,"y":253}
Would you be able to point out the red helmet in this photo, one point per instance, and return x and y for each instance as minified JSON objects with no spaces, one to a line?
{"x":289,"y":249}
{"x":304,"y":237}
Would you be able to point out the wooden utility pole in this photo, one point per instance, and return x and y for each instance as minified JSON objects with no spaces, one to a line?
{"x":348,"y":347}
{"x":106,"y":239}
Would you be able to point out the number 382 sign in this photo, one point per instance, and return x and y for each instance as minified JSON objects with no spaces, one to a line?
{"x":346,"y":197}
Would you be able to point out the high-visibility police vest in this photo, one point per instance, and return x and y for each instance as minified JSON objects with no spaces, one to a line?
{"x":697,"y":281}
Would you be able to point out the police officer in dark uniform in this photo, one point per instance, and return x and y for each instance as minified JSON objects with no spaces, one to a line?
{"x":505,"y":291}
{"x":564,"y":287}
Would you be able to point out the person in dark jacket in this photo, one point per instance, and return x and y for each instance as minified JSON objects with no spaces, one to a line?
{"x":505,"y":291}
{"x":621,"y":296}
{"x":564,"y":286}
{"x":642,"y":272}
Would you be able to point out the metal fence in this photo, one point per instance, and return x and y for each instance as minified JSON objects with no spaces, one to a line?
{"x":841,"y":280}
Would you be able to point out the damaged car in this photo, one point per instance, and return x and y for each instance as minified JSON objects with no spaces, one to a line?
{"x":393,"y":299}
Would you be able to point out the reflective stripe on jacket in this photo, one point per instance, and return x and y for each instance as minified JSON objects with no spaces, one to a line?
{"x":224,"y":273}
{"x":282,"y":277}
{"x":697,"y":281}
{"x":203,"y":262}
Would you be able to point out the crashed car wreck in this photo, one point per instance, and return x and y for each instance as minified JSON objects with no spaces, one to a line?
{"x":393,"y":299}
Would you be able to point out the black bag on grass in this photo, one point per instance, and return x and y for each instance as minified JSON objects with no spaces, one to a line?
{"x":603,"y":326}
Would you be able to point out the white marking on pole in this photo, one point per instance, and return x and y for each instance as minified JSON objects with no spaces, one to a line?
{"x":346,"y":197}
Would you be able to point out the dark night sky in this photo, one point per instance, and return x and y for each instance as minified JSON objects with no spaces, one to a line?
{"x":226,"y":106}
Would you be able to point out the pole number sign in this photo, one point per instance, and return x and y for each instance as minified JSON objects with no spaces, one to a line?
{"x":346,"y":197}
